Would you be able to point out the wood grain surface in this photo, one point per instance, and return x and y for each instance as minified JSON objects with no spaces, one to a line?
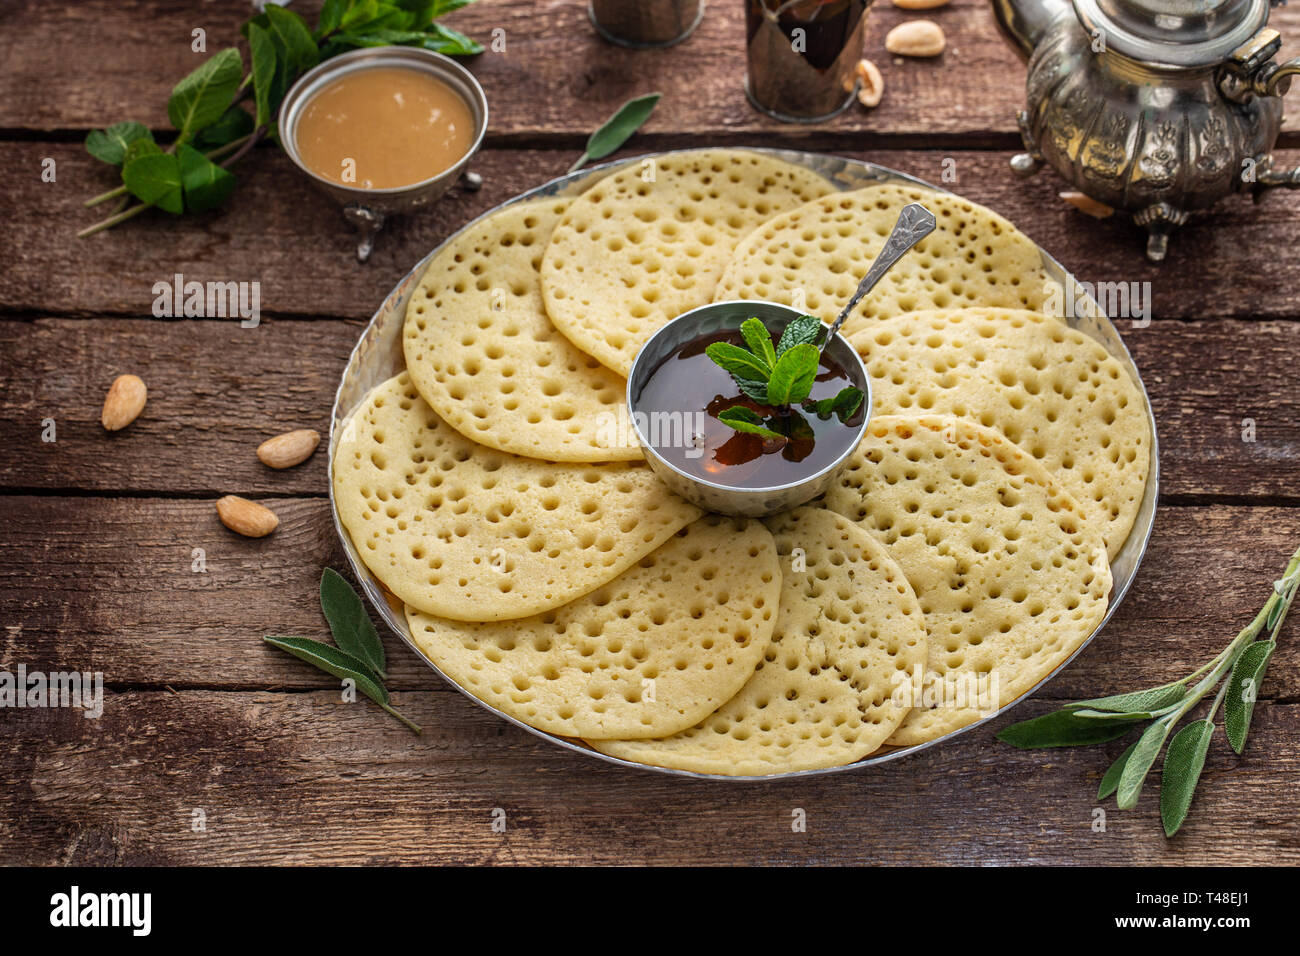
{"x":112,"y":558}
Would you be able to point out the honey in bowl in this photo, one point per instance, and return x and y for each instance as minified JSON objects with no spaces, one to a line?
{"x":384,"y":127}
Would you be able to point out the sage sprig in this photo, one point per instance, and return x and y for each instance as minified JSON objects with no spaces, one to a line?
{"x":616,"y":130}
{"x":214,"y":131}
{"x":359,"y":654}
{"x":1236,"y":672}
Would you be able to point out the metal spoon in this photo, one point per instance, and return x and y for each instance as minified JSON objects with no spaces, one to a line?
{"x":914,"y":223}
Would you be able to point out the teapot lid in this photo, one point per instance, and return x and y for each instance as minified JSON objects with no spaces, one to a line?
{"x":1181,"y":33}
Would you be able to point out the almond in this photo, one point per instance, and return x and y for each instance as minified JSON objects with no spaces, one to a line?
{"x":1086,"y":204}
{"x":246,"y":517}
{"x":873,"y":84}
{"x":123,"y":403}
{"x":916,"y":38}
{"x":920,"y":4}
{"x":289,"y":449}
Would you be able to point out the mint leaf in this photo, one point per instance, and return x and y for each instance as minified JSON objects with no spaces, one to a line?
{"x":843,"y":403}
{"x":200,"y":98}
{"x":301,"y":51}
{"x":753,"y":388}
{"x":744,"y":419}
{"x":232,"y":124}
{"x":205,"y":184}
{"x":738,"y":362}
{"x":267,"y":91}
{"x":759,"y":340}
{"x":805,"y":330}
{"x":349,"y":622}
{"x":1184,"y":762}
{"x":451,"y":42}
{"x":109,"y":145}
{"x":155,"y":179}
{"x":792,"y":376}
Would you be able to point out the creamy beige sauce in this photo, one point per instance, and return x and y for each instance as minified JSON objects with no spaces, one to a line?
{"x":384,"y":127}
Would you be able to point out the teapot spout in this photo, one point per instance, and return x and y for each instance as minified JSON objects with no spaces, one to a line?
{"x":1024,"y":22}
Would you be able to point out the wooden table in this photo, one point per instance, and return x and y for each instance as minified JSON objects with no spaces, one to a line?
{"x":99,"y":530}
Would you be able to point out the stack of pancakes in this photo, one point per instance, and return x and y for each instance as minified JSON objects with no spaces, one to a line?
{"x":962,"y":555}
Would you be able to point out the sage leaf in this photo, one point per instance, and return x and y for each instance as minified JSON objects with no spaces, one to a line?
{"x":1139,"y":763}
{"x":740,"y":363}
{"x":155,"y":179}
{"x":232,"y":124}
{"x":1138,"y":701}
{"x":1183,"y":764}
{"x":744,"y":419}
{"x":301,"y":50}
{"x":205,"y":184}
{"x":1110,"y":780}
{"x":616,"y":130}
{"x":807,"y":329}
{"x":1243,"y":688}
{"x":759,"y":341}
{"x":349,"y":623}
{"x":200,"y":98}
{"x":792,"y":376}
{"x":1062,"y":729}
{"x":109,"y":145}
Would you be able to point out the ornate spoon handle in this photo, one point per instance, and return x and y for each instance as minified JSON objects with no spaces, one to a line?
{"x":914,"y":223}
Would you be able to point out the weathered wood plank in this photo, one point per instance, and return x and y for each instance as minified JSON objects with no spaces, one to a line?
{"x":302,"y":778}
{"x":217,"y":390}
{"x":278,"y":231}
{"x":573,"y":80}
{"x":107,"y":585}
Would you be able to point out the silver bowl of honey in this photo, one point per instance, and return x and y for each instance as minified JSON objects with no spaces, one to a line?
{"x":384,"y":130}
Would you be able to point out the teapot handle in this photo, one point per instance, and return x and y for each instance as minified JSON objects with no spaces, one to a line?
{"x":1275,"y":78}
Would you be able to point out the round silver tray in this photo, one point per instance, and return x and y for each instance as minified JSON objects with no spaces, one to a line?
{"x":378,"y":357}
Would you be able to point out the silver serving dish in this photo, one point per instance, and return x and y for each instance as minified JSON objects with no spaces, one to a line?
{"x":378,"y":357}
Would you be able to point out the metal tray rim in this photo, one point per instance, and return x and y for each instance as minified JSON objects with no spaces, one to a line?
{"x":1134,"y":548}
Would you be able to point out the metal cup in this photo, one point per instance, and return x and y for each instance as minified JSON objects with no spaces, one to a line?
{"x":645,"y":24}
{"x":714,"y":496}
{"x":366,"y":209}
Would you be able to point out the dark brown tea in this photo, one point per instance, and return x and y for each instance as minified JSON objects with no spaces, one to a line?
{"x":689,"y":387}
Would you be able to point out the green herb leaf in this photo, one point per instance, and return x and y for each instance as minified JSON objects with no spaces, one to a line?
{"x":233,"y":123}
{"x":740,"y":363}
{"x":752,"y":387}
{"x":1062,"y":729}
{"x":1243,"y":689}
{"x":331,"y":17}
{"x":349,"y":622}
{"x":141,"y":147}
{"x":342,"y":665}
{"x":842,"y":404}
{"x":109,"y":145}
{"x":1110,"y":781}
{"x":759,"y":340}
{"x":206,"y":185}
{"x":154,"y":179}
{"x":792,"y":376}
{"x":805,"y":330}
{"x":1139,"y":762}
{"x":627,"y":119}
{"x":1183,"y":764}
{"x":1088,"y":714}
{"x":1153,"y":698}
{"x":265,"y":71}
{"x":449,"y":42}
{"x":439,"y":7}
{"x":359,"y":12}
{"x":744,"y":419}
{"x":200,"y":99}
{"x":301,"y":50}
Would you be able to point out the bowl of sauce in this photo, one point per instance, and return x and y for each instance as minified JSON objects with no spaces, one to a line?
{"x":676,"y":393}
{"x":384,"y":130}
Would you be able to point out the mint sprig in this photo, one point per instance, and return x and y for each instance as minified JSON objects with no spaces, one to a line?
{"x":205,"y":107}
{"x":1236,"y":671}
{"x":778,"y":377}
{"x":359,"y":654}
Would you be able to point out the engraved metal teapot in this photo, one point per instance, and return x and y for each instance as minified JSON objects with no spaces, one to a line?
{"x":1156,"y":107}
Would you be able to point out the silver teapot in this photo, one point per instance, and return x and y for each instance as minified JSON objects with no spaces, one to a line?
{"x":1156,"y":107}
